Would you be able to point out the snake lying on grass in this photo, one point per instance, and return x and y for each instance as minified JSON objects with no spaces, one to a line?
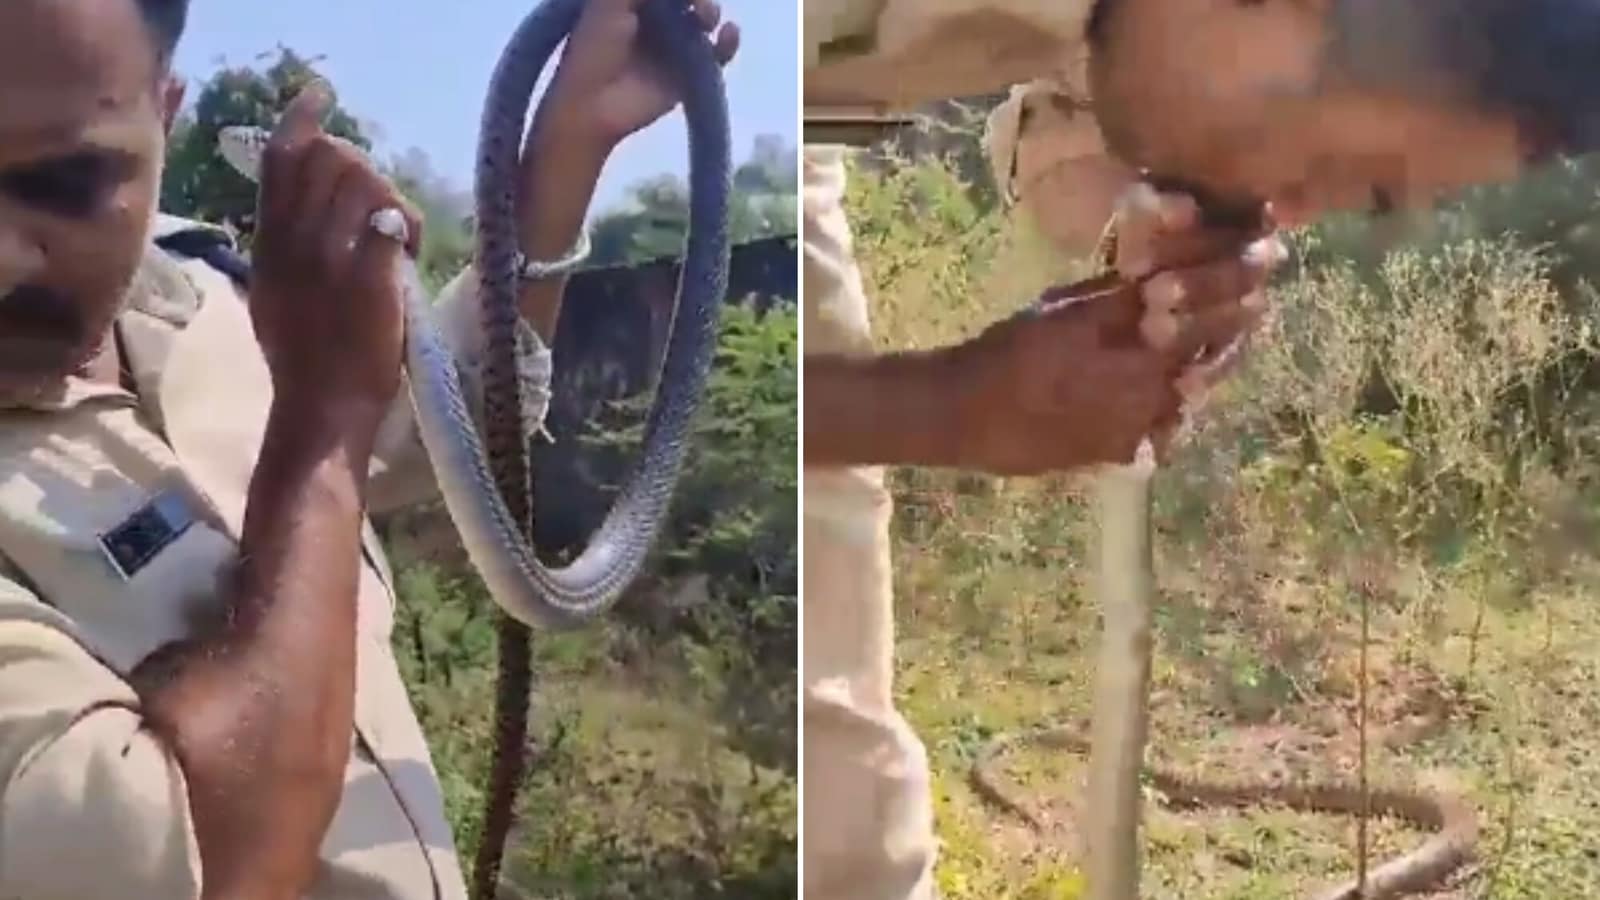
{"x":1451,"y":821}
{"x":485,"y":484}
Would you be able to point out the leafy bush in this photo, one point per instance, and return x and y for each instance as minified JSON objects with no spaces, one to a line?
{"x":663,"y":742}
{"x":1416,"y":427}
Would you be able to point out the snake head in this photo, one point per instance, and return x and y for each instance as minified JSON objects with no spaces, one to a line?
{"x":241,"y":146}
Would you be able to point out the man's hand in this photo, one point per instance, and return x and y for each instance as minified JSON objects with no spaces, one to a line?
{"x":325,"y":295}
{"x":259,"y":708}
{"x":1088,"y":376}
{"x":608,"y":85}
{"x":1080,"y":380}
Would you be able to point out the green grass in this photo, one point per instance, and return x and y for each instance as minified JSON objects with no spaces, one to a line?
{"x":1418,"y":420}
{"x":662,"y":741}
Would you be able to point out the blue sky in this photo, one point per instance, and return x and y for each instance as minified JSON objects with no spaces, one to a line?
{"x":419,"y":68}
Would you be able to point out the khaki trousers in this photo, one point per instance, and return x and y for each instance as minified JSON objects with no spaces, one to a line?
{"x":868,"y":819}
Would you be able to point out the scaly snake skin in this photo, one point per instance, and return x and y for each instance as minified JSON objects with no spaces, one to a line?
{"x":472,"y":472}
{"x":486,"y":484}
{"x":1119,"y":727}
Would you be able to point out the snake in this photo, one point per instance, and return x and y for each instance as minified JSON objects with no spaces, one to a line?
{"x":1450,"y":820}
{"x":1120,"y":717}
{"x":484,"y":481}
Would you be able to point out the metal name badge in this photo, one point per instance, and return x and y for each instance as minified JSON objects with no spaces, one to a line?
{"x":143,"y":535}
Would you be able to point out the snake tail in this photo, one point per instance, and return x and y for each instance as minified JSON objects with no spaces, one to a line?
{"x":1450,"y":820}
{"x":500,"y":494}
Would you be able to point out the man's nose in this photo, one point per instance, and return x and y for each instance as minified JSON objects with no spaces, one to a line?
{"x":22,"y":257}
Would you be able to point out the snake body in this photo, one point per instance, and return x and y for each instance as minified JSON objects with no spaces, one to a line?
{"x":1451,"y":820}
{"x":1121,"y":721}
{"x":485,"y":483}
{"x":1119,"y":727}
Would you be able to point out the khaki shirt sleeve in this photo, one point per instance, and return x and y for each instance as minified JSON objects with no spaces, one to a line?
{"x":92,"y":805}
{"x":401,"y":474}
{"x":1048,"y":156}
{"x":902,"y":53}
{"x":1040,"y":123}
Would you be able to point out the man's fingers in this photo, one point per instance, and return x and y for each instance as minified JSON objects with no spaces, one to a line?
{"x":1219,"y":281}
{"x":302,"y":118}
{"x":1217,"y":326}
{"x":709,"y":12}
{"x":1164,"y":249}
{"x":1142,"y":206}
{"x":346,"y":224}
{"x":317,"y":178}
{"x":725,"y":41}
{"x":1158,"y":231}
{"x":377,"y":256}
{"x":301,"y":122}
{"x":1197,"y":380}
{"x":727,"y":45}
{"x":1138,"y":210}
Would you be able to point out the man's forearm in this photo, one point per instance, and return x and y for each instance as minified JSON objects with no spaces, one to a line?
{"x":554,"y":201}
{"x":911,"y":409}
{"x":260,"y":712}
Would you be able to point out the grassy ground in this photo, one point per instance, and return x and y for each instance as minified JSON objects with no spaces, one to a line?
{"x":637,"y":786}
{"x":1453,"y":497}
{"x":662,"y":739}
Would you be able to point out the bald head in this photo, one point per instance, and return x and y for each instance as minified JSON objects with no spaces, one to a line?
{"x":1321,"y":104}
{"x":164,"y":23}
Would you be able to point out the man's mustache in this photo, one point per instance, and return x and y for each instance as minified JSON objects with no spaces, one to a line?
{"x":40,"y":312}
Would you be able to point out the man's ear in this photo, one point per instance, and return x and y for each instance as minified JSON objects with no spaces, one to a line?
{"x":172,"y":93}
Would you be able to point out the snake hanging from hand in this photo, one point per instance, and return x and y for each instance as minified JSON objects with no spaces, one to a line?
{"x":1119,"y":724}
{"x":486,"y":484}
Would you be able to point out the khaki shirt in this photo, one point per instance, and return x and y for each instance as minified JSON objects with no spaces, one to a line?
{"x":894,"y":54}
{"x":1043,"y":143}
{"x":1049,"y":157}
{"x":92,"y":805}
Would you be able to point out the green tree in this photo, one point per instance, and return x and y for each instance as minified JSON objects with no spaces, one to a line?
{"x":198,"y":183}
{"x":447,"y":239}
{"x":656,"y":217}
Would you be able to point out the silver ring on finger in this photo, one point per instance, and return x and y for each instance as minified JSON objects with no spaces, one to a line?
{"x":391,"y":223}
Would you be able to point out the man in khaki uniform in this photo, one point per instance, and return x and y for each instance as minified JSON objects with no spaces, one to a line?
{"x":1295,"y":109}
{"x":197,"y":692}
{"x":1039,"y":393}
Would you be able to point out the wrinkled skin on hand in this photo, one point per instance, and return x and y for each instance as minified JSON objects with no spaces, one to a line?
{"x":325,"y":297}
{"x":1096,"y":367}
{"x":609,"y":85}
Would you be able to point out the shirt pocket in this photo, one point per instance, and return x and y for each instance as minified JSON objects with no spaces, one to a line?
{"x":135,"y":565}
